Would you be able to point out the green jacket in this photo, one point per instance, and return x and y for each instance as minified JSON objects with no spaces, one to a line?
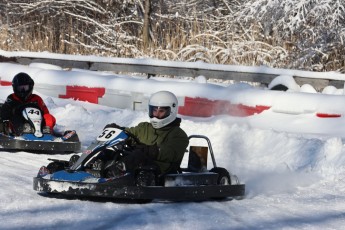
{"x":171,"y":140}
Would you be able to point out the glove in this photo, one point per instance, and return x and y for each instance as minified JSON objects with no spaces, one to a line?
{"x":151,"y":151}
{"x":112,"y":125}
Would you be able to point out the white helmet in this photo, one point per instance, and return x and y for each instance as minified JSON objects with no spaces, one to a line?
{"x":165,"y":101}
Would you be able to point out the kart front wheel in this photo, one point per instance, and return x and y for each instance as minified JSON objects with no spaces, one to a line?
{"x":145,"y":178}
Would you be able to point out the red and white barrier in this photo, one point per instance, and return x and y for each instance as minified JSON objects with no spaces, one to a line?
{"x":83,"y":93}
{"x":110,"y":90}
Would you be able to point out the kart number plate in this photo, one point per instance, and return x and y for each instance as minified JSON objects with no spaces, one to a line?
{"x":34,"y":115}
{"x":108,"y":134}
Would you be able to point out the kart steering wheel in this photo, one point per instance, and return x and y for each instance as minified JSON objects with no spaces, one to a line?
{"x":131,"y":135}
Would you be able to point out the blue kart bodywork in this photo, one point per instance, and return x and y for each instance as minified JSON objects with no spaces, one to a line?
{"x":48,"y":143}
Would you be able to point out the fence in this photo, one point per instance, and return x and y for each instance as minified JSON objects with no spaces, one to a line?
{"x":258,"y":74}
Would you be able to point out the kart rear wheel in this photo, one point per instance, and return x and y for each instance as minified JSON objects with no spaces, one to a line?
{"x":223,"y":176}
{"x":223,"y":179}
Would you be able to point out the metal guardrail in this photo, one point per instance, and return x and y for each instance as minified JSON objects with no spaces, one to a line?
{"x":262,"y":75}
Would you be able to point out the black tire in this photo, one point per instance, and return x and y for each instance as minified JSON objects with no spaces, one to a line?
{"x":56,"y":166}
{"x":280,"y":87}
{"x":223,"y":179}
{"x":145,"y":178}
{"x":73,"y":160}
{"x":223,"y":176}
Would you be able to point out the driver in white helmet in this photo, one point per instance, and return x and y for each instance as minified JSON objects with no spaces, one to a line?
{"x":163,"y":141}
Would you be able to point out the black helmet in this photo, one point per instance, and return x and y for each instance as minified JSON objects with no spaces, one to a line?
{"x":22,"y":85}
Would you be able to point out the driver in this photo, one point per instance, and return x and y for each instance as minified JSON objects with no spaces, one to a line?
{"x":23,"y":85}
{"x":163,"y":142}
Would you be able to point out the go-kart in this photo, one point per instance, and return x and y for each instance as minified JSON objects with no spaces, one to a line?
{"x":84,"y":176}
{"x":28,"y":133}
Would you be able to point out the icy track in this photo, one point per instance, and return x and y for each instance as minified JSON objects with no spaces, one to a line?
{"x":294,"y":176}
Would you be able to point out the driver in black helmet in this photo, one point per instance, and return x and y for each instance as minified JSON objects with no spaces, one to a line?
{"x":23,"y":85}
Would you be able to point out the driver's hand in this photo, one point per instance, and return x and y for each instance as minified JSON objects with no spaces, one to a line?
{"x":112,"y":125}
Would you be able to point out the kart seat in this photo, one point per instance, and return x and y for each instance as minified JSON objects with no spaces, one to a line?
{"x":197,"y":159}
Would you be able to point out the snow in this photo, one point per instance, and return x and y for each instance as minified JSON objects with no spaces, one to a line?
{"x":293,"y":165}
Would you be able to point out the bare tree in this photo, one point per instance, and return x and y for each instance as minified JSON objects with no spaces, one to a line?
{"x":301,"y":34}
{"x":146,"y":26}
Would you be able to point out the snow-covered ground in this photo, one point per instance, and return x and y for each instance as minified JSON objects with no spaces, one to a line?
{"x":293,"y":167}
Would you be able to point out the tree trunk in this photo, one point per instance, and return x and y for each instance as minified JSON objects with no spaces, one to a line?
{"x":146,"y":27}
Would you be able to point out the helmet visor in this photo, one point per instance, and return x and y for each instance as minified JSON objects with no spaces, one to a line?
{"x":24,"y":88}
{"x":159,"y":112}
